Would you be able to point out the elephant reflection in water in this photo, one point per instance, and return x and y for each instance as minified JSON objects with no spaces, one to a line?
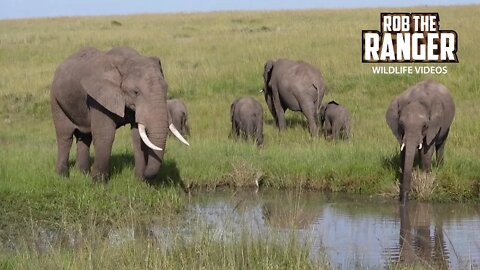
{"x":287,"y":219}
{"x":292,"y":212}
{"x":417,"y":244}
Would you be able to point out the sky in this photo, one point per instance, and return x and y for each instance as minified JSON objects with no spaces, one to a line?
{"x":10,"y":9}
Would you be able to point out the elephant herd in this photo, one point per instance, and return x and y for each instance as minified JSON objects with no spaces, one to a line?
{"x":293,"y":85}
{"x":95,"y":92}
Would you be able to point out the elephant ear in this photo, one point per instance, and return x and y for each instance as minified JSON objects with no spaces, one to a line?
{"x":333,"y":102}
{"x":267,"y":71}
{"x":392,"y":116}
{"x":103,"y":85}
{"x":158,"y":62}
{"x":435,"y":120}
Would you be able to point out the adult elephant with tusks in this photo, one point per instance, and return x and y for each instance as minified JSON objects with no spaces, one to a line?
{"x":420,"y":118}
{"x":93,"y":93}
{"x":293,"y":85}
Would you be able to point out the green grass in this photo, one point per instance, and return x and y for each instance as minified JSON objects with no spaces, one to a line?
{"x":209,"y":59}
{"x":203,"y":249}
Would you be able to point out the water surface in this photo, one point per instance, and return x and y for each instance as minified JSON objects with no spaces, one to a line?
{"x":348,"y":232}
{"x":353,"y":231}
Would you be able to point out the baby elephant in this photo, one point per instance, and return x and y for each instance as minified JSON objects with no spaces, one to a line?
{"x":335,"y":120}
{"x":177,"y":115}
{"x":246,"y":115}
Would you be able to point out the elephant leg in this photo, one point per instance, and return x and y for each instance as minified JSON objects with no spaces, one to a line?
{"x":236,"y":129}
{"x":336,"y":130}
{"x":83,"y":151}
{"x":279,"y":110}
{"x":327,"y":127}
{"x":138,"y":153}
{"x":346,"y":131}
{"x":64,"y":143}
{"x":246,"y":130}
{"x":426,"y":154}
{"x":311,"y":115}
{"x":281,"y":121}
{"x":342,"y":133}
{"x":259,"y":132}
{"x":233,"y":131}
{"x":275,"y":118}
{"x":64,"y":130}
{"x":240,"y":130}
{"x":103,"y":134}
{"x":251,"y":130}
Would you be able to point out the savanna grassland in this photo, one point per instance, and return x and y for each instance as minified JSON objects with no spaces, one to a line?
{"x":209,"y":59}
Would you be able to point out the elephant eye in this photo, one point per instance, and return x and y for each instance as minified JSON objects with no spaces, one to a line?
{"x":136,"y":92}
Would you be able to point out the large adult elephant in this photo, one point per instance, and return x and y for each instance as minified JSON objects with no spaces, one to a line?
{"x":93,"y":93}
{"x":420,"y":118}
{"x":293,"y":85}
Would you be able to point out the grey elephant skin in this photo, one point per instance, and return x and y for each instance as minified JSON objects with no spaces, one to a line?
{"x":293,"y":85}
{"x":420,"y":118}
{"x":246,"y":115}
{"x":178,"y":115}
{"x":335,"y":121}
{"x":95,"y":92}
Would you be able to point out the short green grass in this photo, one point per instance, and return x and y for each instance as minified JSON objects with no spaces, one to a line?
{"x":209,"y":59}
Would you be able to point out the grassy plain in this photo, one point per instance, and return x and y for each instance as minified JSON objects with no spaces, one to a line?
{"x":209,"y":59}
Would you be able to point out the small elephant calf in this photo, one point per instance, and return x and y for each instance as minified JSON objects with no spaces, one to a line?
{"x":177,"y":115}
{"x":246,"y":115}
{"x":335,"y":120}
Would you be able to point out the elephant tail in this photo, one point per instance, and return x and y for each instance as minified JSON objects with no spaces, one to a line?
{"x":320,"y":88}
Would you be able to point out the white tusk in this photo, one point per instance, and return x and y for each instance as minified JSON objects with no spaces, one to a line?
{"x":401,"y":147}
{"x":261,"y":90}
{"x":177,"y":134}
{"x":420,"y":146}
{"x":143,"y":135}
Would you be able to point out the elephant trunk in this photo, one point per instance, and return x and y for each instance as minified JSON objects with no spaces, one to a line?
{"x":158,"y":135}
{"x":408,"y":158}
{"x":145,"y":139}
{"x":153,"y":115}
